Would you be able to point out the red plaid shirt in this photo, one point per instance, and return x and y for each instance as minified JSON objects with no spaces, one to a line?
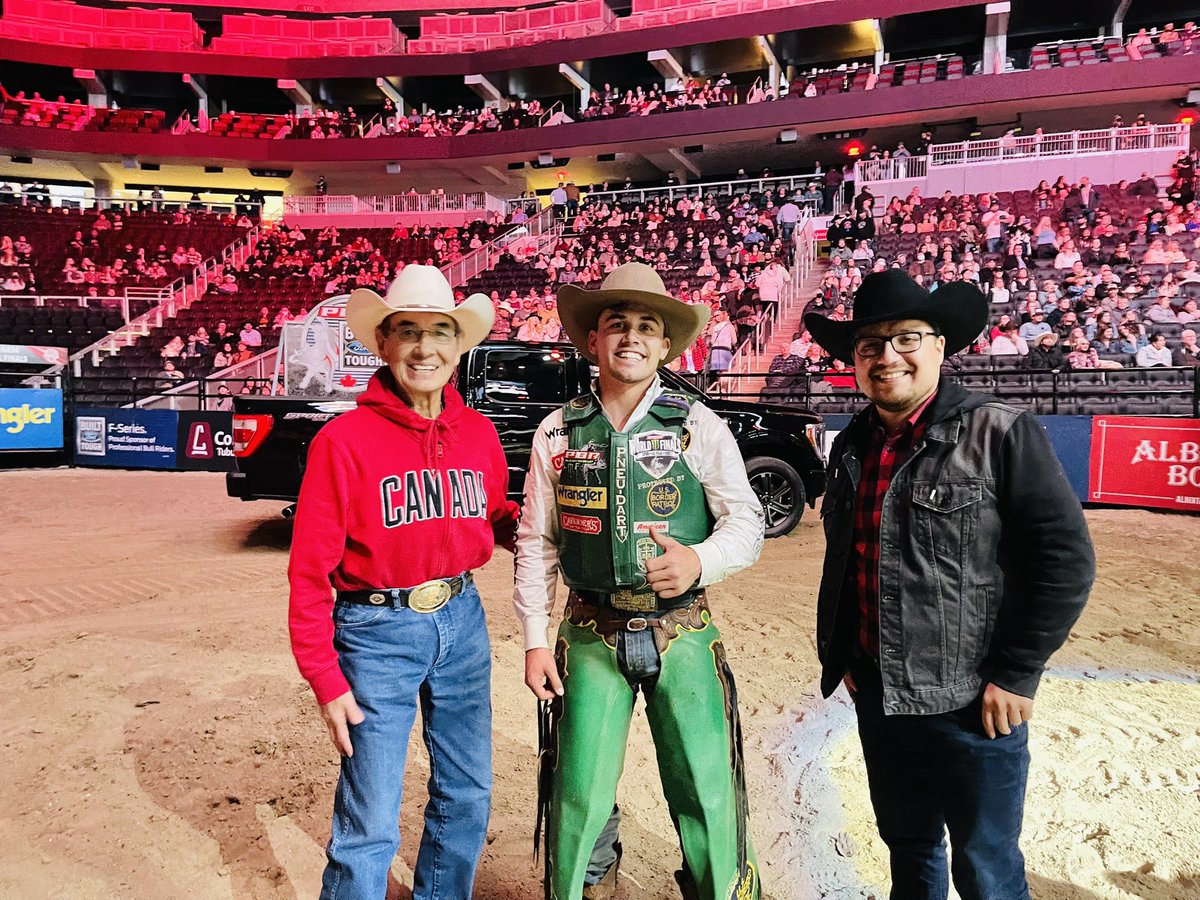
{"x":883,"y":455}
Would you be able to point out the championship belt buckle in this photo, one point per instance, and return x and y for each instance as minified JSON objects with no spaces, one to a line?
{"x":627,"y":601}
{"x":429,"y":597}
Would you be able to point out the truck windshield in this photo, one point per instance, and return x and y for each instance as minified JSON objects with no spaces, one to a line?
{"x":518,"y":376}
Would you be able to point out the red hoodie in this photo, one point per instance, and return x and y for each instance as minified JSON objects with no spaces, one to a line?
{"x":390,"y":499}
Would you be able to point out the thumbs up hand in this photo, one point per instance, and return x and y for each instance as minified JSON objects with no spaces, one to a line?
{"x":675,"y":569}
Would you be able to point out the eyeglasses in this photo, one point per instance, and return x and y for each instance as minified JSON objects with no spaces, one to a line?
{"x":904,"y":342}
{"x":410,"y":334}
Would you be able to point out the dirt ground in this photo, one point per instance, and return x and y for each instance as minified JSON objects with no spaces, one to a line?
{"x":160,"y":744}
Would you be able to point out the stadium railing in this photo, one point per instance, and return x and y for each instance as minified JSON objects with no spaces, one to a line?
{"x":1026,"y":147}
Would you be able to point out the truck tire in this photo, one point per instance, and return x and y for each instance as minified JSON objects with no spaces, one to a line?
{"x":780,"y":489}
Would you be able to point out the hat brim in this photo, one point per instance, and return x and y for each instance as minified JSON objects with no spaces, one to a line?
{"x":579,"y":311}
{"x":960,"y":314}
{"x":365,"y":310}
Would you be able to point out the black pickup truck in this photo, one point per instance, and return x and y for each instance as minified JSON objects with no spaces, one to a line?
{"x":516,"y":386}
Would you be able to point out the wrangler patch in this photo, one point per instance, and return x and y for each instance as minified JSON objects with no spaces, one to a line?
{"x":582,"y":497}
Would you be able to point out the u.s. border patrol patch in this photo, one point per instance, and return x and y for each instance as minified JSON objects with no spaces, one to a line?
{"x":663,"y":498}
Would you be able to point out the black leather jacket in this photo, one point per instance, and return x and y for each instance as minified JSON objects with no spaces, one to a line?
{"x":985,"y":557}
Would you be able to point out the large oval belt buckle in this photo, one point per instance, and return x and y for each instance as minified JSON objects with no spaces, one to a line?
{"x":429,"y":597}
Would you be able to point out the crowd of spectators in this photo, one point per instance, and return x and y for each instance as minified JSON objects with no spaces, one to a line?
{"x":66,"y":251}
{"x":1077,"y":276}
{"x":731,"y":253}
{"x":292,"y":269}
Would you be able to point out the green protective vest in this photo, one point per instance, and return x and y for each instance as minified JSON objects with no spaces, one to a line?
{"x":616,"y":487}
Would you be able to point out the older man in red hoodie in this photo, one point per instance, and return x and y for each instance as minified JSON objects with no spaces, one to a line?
{"x":401,"y":499}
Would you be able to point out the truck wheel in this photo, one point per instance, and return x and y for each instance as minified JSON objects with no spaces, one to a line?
{"x":780,"y":490}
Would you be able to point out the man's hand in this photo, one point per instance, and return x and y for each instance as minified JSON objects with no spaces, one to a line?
{"x":541,"y":674}
{"x":851,"y":687}
{"x":675,"y":570}
{"x":339,"y":714}
{"x":1003,"y":711}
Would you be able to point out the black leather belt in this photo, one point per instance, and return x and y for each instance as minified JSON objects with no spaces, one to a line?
{"x":636,"y":604}
{"x":424,"y":598}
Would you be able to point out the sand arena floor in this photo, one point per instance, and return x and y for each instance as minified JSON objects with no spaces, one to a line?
{"x":160,"y":744}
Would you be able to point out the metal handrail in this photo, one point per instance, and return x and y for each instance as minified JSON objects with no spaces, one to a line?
{"x":671,"y":192}
{"x":355,"y":204}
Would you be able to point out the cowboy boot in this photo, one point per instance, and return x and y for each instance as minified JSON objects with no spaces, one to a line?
{"x":687,"y":887}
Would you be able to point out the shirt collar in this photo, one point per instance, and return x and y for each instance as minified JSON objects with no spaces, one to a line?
{"x":910,"y":424}
{"x":653,"y":392}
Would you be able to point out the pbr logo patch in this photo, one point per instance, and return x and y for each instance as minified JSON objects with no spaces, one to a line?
{"x":655,"y":451}
{"x":585,"y":462}
{"x":580,"y":524}
{"x":686,"y":440}
{"x":663,"y":498}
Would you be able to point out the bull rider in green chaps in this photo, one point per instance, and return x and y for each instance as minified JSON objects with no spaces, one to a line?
{"x":638,"y":496}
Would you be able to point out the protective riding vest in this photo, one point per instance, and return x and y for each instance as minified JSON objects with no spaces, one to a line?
{"x":616,"y":488}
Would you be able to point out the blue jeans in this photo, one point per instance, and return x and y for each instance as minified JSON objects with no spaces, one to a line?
{"x":938,"y":773}
{"x":395,"y":660}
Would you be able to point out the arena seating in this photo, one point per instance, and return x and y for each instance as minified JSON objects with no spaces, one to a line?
{"x":62,"y":320}
{"x":278,"y":276}
{"x":460,"y":33}
{"x":71,"y":24}
{"x":257,"y":35}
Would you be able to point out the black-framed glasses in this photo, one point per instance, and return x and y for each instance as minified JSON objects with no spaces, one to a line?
{"x":904,"y":342}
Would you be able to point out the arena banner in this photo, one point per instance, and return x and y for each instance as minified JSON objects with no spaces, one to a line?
{"x":204,"y":441}
{"x":1142,"y":461}
{"x":1070,"y":436}
{"x":126,"y":438}
{"x":32,"y":355}
{"x":31,"y":419}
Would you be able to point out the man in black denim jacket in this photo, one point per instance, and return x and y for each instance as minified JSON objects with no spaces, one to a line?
{"x":957,"y":561}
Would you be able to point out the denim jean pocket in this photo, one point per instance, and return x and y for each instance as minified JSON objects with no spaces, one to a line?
{"x":357,"y":615}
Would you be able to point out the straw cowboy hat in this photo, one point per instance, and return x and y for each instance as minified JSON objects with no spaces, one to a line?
{"x":579,"y":310}
{"x":418,"y":289}
{"x":958,"y":310}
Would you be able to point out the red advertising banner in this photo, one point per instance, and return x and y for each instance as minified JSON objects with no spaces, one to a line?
{"x":1145,"y":462}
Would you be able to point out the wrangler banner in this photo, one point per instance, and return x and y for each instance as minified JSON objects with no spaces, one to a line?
{"x":1145,"y":462}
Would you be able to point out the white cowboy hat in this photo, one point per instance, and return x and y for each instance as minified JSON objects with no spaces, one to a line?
{"x":418,"y":289}
{"x":579,"y":310}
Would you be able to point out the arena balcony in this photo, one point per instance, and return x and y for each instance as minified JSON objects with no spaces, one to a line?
{"x":806,"y":120}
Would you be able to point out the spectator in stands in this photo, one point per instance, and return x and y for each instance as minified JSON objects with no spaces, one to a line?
{"x":771,"y":281}
{"x":1162,"y":313}
{"x":722,"y":343}
{"x":1155,"y":354}
{"x":168,"y":375}
{"x":250,"y":335}
{"x":223,"y":402}
{"x":223,"y":358}
{"x":1036,"y":325}
{"x":1009,"y":342}
{"x":1188,"y":351}
{"x":1046,"y":353}
{"x":1105,"y":340}
{"x":1082,"y":356}
{"x":173,"y":348}
{"x":785,"y":362}
{"x":558,"y":200}
{"x":243,"y":353}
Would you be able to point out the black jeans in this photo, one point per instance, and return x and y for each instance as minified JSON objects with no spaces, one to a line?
{"x":929,"y":774}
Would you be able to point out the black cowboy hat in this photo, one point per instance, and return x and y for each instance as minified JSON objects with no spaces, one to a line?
{"x":958,"y":310}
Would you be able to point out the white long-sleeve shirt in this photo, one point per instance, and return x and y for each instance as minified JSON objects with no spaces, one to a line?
{"x":712,"y":456}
